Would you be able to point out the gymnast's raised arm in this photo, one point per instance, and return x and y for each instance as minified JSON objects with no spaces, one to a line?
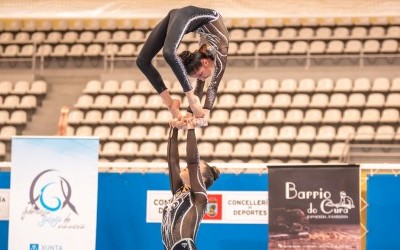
{"x":193,"y":161}
{"x":175,"y":180}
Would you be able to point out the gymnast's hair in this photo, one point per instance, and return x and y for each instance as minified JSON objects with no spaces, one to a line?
{"x":192,"y":60}
{"x":210,"y":174}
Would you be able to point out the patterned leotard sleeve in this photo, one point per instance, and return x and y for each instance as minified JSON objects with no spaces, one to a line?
{"x":193,"y":162}
{"x":216,"y":35}
{"x":175,"y":180}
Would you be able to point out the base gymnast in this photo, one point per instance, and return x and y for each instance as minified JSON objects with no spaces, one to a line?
{"x":183,"y":214}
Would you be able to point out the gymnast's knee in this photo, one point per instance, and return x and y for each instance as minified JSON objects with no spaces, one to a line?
{"x":169,"y":55}
{"x":142,"y":62}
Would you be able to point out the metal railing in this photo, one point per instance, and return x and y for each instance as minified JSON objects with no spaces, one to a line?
{"x":371,"y":151}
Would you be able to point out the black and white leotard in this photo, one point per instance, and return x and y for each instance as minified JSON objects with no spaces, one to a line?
{"x":184,"y":213}
{"x":168,"y":34}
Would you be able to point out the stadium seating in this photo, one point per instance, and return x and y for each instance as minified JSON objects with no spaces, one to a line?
{"x":294,"y":119}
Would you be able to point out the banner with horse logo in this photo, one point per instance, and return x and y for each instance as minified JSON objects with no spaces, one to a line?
{"x":314,"y":207}
{"x":53,"y":193}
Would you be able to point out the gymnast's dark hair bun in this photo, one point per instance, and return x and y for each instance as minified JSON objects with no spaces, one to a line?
{"x":216,"y":172}
{"x":209,"y":54}
{"x":186,"y":57}
{"x":191,"y":60}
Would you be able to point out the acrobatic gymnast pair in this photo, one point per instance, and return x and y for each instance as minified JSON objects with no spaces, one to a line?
{"x":185,"y":211}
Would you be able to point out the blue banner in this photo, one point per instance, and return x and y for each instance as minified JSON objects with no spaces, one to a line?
{"x":121,"y":214}
{"x":382,"y":212}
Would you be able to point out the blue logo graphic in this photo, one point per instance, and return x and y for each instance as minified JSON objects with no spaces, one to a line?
{"x":45,"y":201}
{"x":34,"y":247}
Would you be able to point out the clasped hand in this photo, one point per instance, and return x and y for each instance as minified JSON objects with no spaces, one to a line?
{"x":188,"y":122}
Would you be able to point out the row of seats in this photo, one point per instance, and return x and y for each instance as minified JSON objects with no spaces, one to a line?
{"x":247,"y":48}
{"x":149,"y":23}
{"x":16,"y":118}
{"x":113,"y":117}
{"x":307,"y":33}
{"x":77,"y":24}
{"x":310,"y":85}
{"x":306,"y":148}
{"x":261,"y":150}
{"x":71,"y":37}
{"x":61,"y":50}
{"x":214,"y":160}
{"x":245,"y":101}
{"x":241,"y":117}
{"x":253,"y":34}
{"x":22,"y":87}
{"x":254,"y":85}
{"x":75,"y":50}
{"x":11,"y":102}
{"x":314,"y":47}
{"x":306,"y":133}
{"x":318,"y":100}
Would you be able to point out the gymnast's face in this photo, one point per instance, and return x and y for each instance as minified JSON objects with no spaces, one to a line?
{"x":204,"y":71}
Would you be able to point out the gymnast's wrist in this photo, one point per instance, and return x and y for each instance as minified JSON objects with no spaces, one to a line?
{"x":191,"y":97}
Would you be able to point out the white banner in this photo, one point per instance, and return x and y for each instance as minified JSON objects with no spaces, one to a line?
{"x":53,"y":193}
{"x":236,"y":207}
{"x":4,"y":203}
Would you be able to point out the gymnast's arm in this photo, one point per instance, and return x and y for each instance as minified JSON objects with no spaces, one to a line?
{"x":193,"y":161}
{"x":211,"y":95}
{"x":199,"y":92}
{"x":175,"y":180}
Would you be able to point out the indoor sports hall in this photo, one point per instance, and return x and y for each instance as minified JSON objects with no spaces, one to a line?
{"x":304,"y":129}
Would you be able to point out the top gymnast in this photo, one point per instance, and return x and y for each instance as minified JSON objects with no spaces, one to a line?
{"x":209,"y":59}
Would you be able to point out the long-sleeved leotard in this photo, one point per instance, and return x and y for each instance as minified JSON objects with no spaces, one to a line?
{"x":183,"y":214}
{"x":168,"y":34}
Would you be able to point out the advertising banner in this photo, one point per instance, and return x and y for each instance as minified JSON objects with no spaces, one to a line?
{"x":238,"y":207}
{"x":314,"y":207}
{"x":4,"y":185}
{"x":382,"y":212}
{"x":4,"y":203}
{"x":53,"y":193}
